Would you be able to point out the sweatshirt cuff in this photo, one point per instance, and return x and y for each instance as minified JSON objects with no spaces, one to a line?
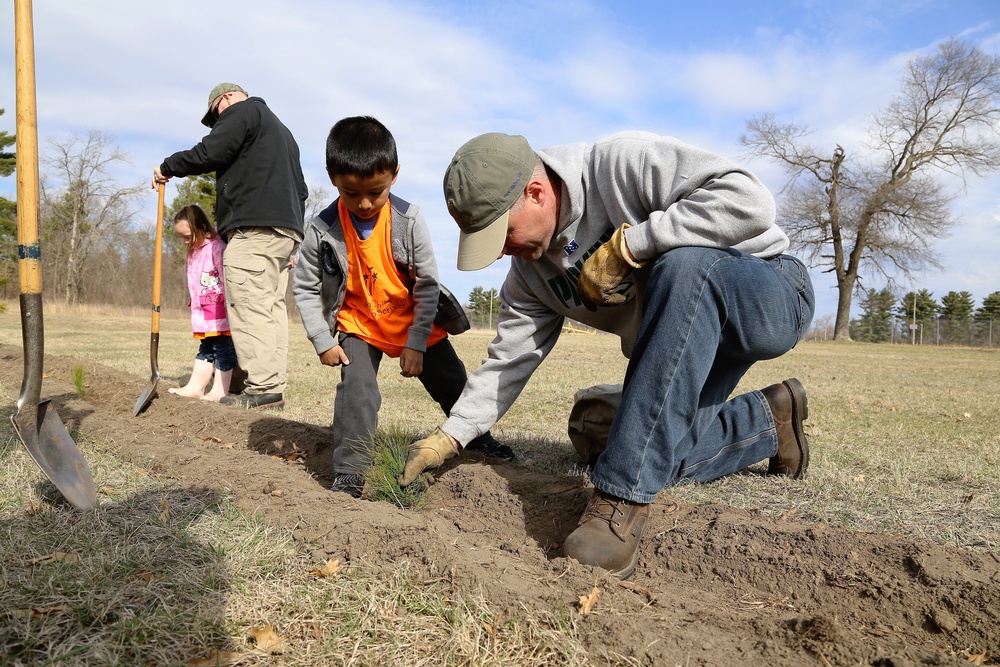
{"x":416,"y":339}
{"x":640,"y":242}
{"x":461,"y":430}
{"x":323,"y":342}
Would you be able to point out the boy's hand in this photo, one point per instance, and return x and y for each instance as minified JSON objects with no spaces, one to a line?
{"x":430,"y":452}
{"x":334,"y":357}
{"x":411,"y":363}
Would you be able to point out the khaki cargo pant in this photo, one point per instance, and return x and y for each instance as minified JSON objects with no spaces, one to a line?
{"x":257,"y":261}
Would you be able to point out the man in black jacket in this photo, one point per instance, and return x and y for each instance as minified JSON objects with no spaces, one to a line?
{"x":259,"y":211}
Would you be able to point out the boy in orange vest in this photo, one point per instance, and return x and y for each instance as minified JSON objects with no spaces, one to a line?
{"x":366,"y":285}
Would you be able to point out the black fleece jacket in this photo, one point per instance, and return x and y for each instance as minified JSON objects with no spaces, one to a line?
{"x":258,"y":177}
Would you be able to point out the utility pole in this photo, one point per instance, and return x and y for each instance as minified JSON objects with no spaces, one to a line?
{"x":913,"y":324}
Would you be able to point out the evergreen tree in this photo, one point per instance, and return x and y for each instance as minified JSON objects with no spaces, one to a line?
{"x":956,"y":316}
{"x":8,"y":160}
{"x":198,"y":190}
{"x":484,"y":305}
{"x":957,"y":306}
{"x":8,"y":215}
{"x":875,"y":324}
{"x":918,"y":308}
{"x":990,"y":310}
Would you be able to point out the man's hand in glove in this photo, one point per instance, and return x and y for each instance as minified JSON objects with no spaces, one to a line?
{"x":604,"y":271}
{"x":430,"y":452}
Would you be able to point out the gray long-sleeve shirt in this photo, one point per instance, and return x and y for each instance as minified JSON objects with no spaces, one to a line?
{"x":671,"y":193}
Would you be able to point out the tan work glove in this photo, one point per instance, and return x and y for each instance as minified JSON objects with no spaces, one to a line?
{"x":430,"y":452}
{"x":603,"y":272}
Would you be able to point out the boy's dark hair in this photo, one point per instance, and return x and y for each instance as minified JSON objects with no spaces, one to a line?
{"x":201,"y":226}
{"x":361,"y":146}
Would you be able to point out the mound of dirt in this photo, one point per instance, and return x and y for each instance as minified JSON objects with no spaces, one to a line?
{"x":713,"y":586}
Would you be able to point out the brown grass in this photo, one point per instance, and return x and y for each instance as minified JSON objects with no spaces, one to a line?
{"x":905,"y":439}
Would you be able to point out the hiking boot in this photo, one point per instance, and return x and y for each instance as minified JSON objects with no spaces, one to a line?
{"x":349,"y":483}
{"x":608,"y":534}
{"x":789,"y":407}
{"x":490,"y":447}
{"x":255,"y":401}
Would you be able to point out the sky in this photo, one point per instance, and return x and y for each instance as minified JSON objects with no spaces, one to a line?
{"x":438,"y":72}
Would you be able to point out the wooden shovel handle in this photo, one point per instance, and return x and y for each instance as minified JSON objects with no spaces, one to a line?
{"x":28,"y":247}
{"x":158,"y":259}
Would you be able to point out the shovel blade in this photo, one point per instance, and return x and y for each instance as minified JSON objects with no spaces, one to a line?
{"x":147,"y":395}
{"x":48,"y":442}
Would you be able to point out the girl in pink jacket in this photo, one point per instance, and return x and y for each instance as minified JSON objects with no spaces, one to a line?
{"x":216,"y":354}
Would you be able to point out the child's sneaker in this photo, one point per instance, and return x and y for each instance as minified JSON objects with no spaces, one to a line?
{"x":489,"y":446}
{"x":349,"y":483}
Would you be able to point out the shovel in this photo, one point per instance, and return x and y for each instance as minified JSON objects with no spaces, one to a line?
{"x":147,"y":395}
{"x":36,"y":423}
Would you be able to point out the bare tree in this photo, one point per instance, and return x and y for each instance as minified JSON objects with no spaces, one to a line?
{"x":881,"y":212}
{"x":319,"y":198}
{"x":87,"y":210}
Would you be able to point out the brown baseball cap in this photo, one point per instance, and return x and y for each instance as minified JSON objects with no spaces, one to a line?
{"x":208,"y":120}
{"x":484,"y":179}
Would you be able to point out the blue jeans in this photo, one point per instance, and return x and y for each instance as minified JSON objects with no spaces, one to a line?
{"x":218,"y":350}
{"x":708,"y":315}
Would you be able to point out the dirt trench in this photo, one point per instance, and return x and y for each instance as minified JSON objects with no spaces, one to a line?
{"x":714,"y":585}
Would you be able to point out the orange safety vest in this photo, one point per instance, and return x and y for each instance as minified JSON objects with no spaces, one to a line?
{"x":378,"y":305}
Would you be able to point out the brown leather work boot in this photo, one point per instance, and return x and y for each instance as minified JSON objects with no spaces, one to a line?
{"x":608,"y":534}
{"x":789,"y":407}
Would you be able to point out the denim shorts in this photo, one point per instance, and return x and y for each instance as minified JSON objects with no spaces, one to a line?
{"x":218,"y":350}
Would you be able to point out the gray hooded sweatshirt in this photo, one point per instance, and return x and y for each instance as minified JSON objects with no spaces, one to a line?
{"x":671,"y":193}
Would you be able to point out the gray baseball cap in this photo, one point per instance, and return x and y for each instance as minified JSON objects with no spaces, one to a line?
{"x":484,"y":179}
{"x":208,"y":120}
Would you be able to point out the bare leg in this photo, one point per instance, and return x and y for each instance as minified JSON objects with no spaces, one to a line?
{"x":200,"y":376}
{"x":220,"y":387}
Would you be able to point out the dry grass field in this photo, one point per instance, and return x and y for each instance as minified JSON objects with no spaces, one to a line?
{"x":905,"y":451}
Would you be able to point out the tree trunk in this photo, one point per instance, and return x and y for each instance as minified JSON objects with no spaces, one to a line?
{"x":842,"y":327}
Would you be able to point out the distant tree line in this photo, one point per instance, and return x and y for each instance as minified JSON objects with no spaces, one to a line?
{"x":97,"y":242}
{"x":918,"y":318}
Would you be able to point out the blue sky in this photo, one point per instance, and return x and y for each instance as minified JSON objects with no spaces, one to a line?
{"x":441,"y":71}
